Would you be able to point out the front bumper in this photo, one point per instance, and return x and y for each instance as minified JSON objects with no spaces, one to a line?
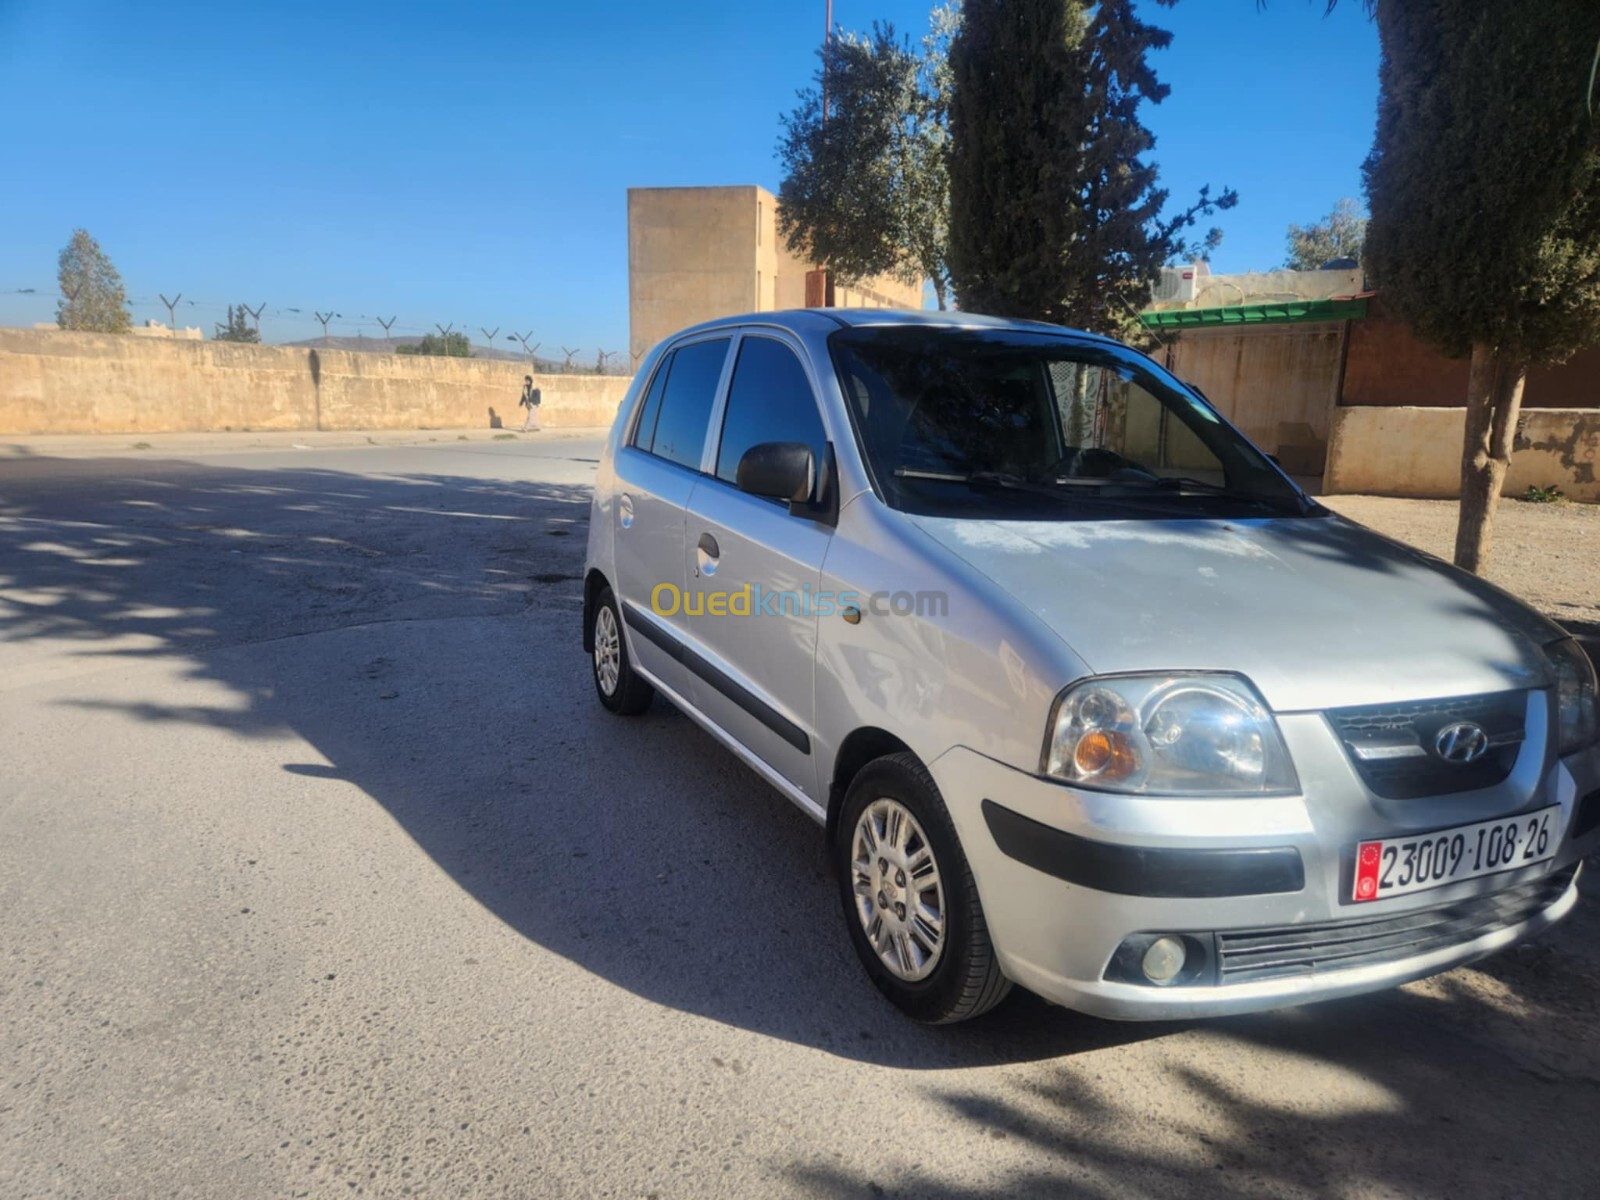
{"x":1061,"y":899}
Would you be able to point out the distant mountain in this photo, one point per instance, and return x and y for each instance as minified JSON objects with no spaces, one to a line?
{"x":370,"y":345}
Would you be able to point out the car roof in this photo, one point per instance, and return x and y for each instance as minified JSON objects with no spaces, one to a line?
{"x":824,"y":320}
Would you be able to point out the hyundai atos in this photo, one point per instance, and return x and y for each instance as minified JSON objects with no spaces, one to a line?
{"x":1087,"y":694}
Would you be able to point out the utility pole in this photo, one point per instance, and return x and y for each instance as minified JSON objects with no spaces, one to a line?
{"x":827,"y":36}
{"x":255,"y":314}
{"x":324,"y":318}
{"x":387,"y":326}
{"x":489,"y":337}
{"x":827,"y":46}
{"x":172,"y":318}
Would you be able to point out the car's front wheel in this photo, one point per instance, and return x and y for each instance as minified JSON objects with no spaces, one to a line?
{"x":909,"y":897}
{"x":615,"y":681}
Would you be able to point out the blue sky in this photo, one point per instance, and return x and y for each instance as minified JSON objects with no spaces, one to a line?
{"x":467,"y":163}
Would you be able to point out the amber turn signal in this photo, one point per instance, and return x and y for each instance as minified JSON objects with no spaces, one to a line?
{"x":1105,"y":754}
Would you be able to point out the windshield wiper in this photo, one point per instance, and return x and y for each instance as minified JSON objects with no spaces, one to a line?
{"x":1157,"y":493}
{"x":1172,"y":483}
{"x":1005,"y":481}
{"x":1002,"y":480}
{"x":1183,"y":483}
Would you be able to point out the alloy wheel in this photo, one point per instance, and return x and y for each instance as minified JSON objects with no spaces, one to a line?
{"x":898,"y":890}
{"x":607,"y":651}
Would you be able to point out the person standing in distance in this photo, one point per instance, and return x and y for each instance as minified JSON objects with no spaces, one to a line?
{"x":531,"y":399}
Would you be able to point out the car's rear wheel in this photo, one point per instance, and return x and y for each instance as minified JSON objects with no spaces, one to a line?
{"x":615,"y":681}
{"x":909,"y":897}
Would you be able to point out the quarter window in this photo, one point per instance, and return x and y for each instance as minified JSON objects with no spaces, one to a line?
{"x":769,"y":400}
{"x":644,"y":434}
{"x":673,"y":422}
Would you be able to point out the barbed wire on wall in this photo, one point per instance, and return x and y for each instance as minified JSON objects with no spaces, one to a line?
{"x":282,"y":322}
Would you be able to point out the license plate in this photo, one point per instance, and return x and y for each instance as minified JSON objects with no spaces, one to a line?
{"x":1397,"y":866}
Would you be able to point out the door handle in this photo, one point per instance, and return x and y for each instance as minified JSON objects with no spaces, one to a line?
{"x":707,"y":554}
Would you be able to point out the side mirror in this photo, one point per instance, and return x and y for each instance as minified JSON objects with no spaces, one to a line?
{"x":779,"y":470}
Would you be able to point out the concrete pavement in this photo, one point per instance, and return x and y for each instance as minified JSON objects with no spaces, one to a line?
{"x":322,"y":873}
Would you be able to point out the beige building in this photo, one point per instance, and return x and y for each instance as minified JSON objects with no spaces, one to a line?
{"x":698,"y":253}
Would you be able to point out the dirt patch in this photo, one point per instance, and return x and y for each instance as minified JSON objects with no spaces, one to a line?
{"x":1548,"y":554}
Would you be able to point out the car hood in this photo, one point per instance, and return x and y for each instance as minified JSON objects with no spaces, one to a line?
{"x":1317,"y":612}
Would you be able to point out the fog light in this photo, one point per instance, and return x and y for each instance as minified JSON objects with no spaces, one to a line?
{"x":1164,"y":959}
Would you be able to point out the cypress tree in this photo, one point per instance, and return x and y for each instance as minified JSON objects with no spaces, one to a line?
{"x":1484,"y":186}
{"x":1055,"y":214}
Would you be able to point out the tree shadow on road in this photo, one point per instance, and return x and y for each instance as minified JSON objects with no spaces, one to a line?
{"x":421,"y":633}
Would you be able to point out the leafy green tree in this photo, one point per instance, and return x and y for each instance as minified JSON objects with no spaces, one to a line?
{"x":1055,"y":213}
{"x":1340,"y":234}
{"x":451,"y":345}
{"x":866,"y":191}
{"x":92,"y":296}
{"x":1484,"y":186}
{"x":236,"y":328}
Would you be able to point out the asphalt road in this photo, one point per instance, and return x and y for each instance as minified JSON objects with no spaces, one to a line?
{"x":323,"y":874}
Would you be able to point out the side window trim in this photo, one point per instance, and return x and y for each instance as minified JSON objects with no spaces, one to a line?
{"x":719,"y":403}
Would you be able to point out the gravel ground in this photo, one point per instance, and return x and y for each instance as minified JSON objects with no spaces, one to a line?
{"x":1549,"y":554}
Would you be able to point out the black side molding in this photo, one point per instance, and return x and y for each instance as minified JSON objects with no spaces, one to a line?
{"x":649,"y":629}
{"x":1587,"y":814}
{"x":1159,"y":872}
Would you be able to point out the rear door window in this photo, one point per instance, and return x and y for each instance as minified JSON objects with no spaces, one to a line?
{"x":674,"y":427}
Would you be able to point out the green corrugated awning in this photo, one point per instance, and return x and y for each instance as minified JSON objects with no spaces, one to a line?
{"x":1277,"y":312}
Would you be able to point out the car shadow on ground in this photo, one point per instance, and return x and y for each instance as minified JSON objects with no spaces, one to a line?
{"x":421,"y":633}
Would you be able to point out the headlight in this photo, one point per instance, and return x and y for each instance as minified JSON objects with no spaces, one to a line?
{"x":1575,"y":702}
{"x":1167,"y":735}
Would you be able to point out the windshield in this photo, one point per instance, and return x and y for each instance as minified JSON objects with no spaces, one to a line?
{"x":1012,"y":423}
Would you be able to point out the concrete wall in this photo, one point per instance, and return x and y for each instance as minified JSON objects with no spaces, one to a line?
{"x":102,"y":383}
{"x":1267,"y":377}
{"x":1417,"y":452}
{"x":699,"y":253}
{"x":1258,"y":287}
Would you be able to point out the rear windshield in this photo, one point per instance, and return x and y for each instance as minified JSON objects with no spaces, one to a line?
{"x":1009,"y":423}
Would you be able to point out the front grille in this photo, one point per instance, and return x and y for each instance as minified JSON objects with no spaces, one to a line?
{"x":1246,"y":955}
{"x":1391,"y":745}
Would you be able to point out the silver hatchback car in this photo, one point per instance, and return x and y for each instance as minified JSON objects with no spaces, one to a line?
{"x":1086,"y":693}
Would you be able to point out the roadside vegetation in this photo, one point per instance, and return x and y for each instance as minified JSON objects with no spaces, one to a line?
{"x":93,"y":299}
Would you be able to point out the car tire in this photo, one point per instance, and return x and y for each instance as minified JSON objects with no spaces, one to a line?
{"x":889,"y":907}
{"x":617,"y":684}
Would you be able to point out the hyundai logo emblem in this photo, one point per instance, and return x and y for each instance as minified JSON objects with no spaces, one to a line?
{"x":1461,"y":743}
